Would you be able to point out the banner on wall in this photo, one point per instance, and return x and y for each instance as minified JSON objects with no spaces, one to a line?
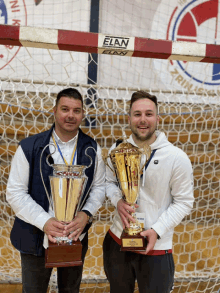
{"x":40,"y":64}
{"x":12,"y":13}
{"x":191,"y":21}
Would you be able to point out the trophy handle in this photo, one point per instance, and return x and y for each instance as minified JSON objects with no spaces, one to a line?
{"x":48,"y":197}
{"x":96,"y":165}
{"x":105,"y":157}
{"x":89,"y":155}
{"x":147,"y":152}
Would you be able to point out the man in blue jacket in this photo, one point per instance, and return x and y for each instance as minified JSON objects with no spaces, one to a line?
{"x":34,"y":223}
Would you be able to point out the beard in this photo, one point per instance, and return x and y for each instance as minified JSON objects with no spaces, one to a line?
{"x":140,"y":137}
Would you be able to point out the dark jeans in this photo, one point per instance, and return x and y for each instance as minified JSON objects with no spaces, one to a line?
{"x":154,"y":274}
{"x":35,"y":277}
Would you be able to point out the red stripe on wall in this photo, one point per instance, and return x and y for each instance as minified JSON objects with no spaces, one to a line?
{"x":9,"y":35}
{"x":78,"y":41}
{"x":186,"y":40}
{"x":149,"y":48}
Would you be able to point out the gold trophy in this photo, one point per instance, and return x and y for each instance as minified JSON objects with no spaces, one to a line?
{"x":126,"y":161}
{"x":67,"y":187}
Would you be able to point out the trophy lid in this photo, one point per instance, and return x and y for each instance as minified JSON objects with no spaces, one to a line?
{"x":68,"y":170}
{"x":132,"y":157}
{"x":126,"y":147}
{"x":129,"y":148}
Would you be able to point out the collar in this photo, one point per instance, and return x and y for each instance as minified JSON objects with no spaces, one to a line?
{"x":130,"y":139}
{"x":157,"y":132}
{"x":58,"y":140}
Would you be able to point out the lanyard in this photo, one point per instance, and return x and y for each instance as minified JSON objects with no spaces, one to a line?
{"x":151,"y":156}
{"x":148,"y":162}
{"x":73,"y":154}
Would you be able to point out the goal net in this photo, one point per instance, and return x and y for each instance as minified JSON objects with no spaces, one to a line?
{"x":168,"y":48}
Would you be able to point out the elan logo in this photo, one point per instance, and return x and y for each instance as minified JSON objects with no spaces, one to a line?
{"x":115,"y":45}
{"x":116,"y":42}
{"x":113,"y":52}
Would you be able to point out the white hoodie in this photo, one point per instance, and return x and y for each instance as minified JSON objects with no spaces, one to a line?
{"x":166,"y":195}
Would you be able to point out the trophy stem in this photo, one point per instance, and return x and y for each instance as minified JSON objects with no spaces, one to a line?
{"x":135,"y":227}
{"x":63,"y":239}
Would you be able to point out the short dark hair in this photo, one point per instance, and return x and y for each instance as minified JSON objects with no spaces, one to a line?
{"x":139,"y":95}
{"x":69,"y":93}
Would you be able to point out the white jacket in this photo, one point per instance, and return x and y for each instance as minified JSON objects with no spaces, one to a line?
{"x":166,"y":195}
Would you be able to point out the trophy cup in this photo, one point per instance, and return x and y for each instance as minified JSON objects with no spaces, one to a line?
{"x":126,"y":161}
{"x":67,"y":187}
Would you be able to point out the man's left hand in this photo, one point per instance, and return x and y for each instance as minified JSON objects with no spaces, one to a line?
{"x":151,"y":236}
{"x":76,"y":227}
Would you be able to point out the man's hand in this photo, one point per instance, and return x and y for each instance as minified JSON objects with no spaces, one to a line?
{"x":125,"y":211}
{"x":75,"y":227}
{"x":151,"y":238}
{"x":54,"y":228}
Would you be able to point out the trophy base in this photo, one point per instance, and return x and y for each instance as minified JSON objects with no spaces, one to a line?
{"x":133,"y":242}
{"x":63,"y":254}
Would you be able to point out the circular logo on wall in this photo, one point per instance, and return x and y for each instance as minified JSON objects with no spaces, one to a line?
{"x":189,"y":21}
{"x":11,"y":13}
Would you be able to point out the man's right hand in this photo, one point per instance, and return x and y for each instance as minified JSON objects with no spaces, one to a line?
{"x":125,"y":211}
{"x":54,"y":228}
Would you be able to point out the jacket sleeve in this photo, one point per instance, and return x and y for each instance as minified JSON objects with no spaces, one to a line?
{"x":23,"y":205}
{"x":181,"y":186}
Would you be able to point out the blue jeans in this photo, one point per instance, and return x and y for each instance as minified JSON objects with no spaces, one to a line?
{"x":35,"y":277}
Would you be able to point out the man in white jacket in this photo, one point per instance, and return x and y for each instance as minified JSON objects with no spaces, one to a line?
{"x":165,"y":198}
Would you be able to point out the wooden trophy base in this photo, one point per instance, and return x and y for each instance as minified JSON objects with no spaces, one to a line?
{"x":63,"y":255}
{"x":133,"y":242}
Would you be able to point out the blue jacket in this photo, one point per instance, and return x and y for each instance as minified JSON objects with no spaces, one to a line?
{"x":24,"y":236}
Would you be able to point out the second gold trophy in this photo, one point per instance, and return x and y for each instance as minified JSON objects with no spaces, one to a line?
{"x":126,"y":162}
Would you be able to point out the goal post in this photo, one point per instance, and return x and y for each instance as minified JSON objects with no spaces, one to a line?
{"x":50,"y":60}
{"x":65,"y":40}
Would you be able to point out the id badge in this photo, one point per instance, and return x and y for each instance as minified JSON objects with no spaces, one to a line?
{"x":141,"y":218}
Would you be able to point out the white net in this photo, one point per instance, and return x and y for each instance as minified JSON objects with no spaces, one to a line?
{"x":189,"y":108}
